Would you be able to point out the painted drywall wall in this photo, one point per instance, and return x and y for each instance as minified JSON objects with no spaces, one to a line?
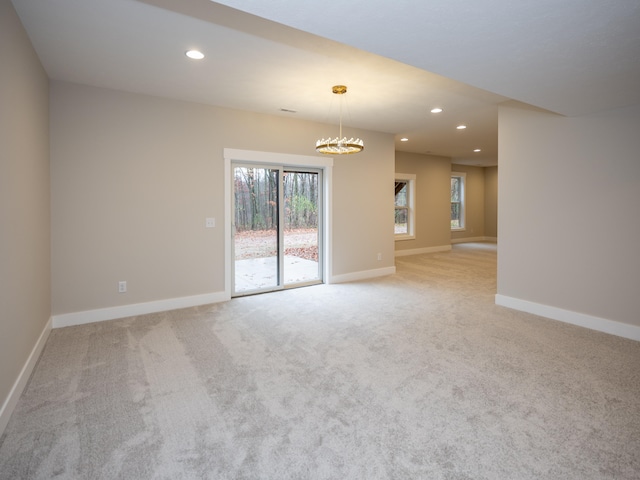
{"x":134,"y":177}
{"x":491,"y":202}
{"x":474,"y":202}
{"x":24,"y":199}
{"x":432,"y":201}
{"x":567,"y":224}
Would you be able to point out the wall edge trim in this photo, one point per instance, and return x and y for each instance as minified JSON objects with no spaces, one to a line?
{"x":418,"y":251}
{"x":363,"y":275}
{"x":474,"y":239}
{"x":131,"y":310}
{"x":21,"y":382}
{"x":612,"y":327}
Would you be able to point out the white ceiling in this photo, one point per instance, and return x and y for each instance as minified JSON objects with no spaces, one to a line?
{"x":572,"y":57}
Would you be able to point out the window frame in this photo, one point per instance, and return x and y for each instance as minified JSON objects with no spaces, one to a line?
{"x":410,"y":180}
{"x":463,"y":194}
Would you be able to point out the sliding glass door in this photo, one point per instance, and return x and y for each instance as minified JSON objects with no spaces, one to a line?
{"x":276,"y":228}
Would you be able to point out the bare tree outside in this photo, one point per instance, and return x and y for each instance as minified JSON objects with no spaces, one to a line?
{"x":256,"y":213}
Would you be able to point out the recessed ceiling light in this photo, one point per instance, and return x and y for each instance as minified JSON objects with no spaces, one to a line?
{"x":461,"y":127}
{"x":436,"y":110}
{"x":194,"y":54}
{"x":404,"y":139}
{"x":477,"y":150}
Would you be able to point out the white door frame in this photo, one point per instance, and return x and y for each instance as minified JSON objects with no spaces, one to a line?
{"x":290,"y":160}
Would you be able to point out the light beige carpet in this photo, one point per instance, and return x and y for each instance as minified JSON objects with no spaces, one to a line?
{"x":412,"y":376}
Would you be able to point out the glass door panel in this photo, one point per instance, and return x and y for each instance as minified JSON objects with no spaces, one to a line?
{"x":256,"y":232}
{"x":301,"y":227}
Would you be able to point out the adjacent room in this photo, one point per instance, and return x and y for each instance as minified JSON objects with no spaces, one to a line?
{"x":258,"y":240}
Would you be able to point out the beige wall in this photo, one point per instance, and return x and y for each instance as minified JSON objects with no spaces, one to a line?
{"x":491,"y":202}
{"x":135,"y":176}
{"x":24,"y":199}
{"x":474,"y":202}
{"x":433,"y":201}
{"x":568,"y":226}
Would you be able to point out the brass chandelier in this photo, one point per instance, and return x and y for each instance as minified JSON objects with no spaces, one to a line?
{"x":339,"y":145}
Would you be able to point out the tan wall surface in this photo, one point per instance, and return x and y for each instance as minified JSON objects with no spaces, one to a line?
{"x":135,"y":176}
{"x":25,"y":298}
{"x":491,"y":202}
{"x":474,"y":202}
{"x":433,"y":199}
{"x":567,"y":220}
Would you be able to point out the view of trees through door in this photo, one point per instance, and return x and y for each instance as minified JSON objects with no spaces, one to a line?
{"x":276,"y":228}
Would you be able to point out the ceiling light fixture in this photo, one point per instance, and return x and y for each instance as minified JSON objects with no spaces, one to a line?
{"x":436,"y":110}
{"x":404,"y":139}
{"x":339,"y":145}
{"x":461,"y":127}
{"x":194,"y":54}
{"x":477,"y":150}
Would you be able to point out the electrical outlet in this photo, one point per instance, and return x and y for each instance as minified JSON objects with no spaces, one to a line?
{"x":122,"y":287}
{"x":210,"y":222}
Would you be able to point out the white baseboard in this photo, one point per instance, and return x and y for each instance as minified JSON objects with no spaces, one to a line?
{"x":418,"y":251}
{"x":355,"y":276}
{"x":474,"y":239}
{"x":112,"y":313}
{"x":588,"y":321}
{"x":21,"y":382}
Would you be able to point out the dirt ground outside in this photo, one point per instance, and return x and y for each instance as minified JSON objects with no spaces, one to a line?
{"x":302,"y":243}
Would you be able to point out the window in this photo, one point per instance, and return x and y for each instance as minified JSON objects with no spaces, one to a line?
{"x":457,"y":200}
{"x":404,"y":206}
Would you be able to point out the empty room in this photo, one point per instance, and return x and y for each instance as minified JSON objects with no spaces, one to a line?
{"x":361,"y":240}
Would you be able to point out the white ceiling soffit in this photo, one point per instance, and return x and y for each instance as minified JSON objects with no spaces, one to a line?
{"x":257,"y":65}
{"x":571,"y":57}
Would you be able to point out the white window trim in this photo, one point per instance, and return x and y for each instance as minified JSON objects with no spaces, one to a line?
{"x":410,"y":178}
{"x":463,"y":198}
